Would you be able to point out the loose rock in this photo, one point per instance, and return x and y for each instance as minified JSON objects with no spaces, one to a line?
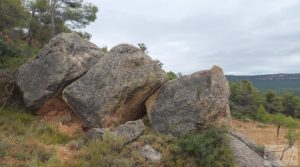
{"x":150,"y":153}
{"x":130,"y":131}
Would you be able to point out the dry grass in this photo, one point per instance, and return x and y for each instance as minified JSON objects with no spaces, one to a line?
{"x":27,"y":140}
{"x":261,"y":133}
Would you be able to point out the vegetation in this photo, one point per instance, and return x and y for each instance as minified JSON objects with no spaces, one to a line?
{"x":211,"y":147}
{"x":280,"y":83}
{"x":143,"y":47}
{"x":245,"y":100}
{"x":171,"y":75}
{"x":26,"y":25}
{"x":30,"y":141}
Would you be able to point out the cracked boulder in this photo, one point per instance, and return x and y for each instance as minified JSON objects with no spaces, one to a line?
{"x":63,"y":60}
{"x":190,"y":102}
{"x":114,"y":90}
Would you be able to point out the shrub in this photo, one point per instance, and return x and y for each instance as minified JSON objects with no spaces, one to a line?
{"x":211,"y":147}
{"x":262,"y":115}
{"x":292,"y":136}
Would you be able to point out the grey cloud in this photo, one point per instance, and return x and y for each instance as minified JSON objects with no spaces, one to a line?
{"x":242,"y":36}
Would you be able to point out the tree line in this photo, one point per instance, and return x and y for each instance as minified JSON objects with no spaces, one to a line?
{"x":245,"y":101}
{"x":26,"y":25}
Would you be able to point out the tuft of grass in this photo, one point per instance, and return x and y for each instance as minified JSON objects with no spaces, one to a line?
{"x":14,"y":121}
{"x":50,"y":135}
{"x":4,"y":146}
{"x":103,"y":152}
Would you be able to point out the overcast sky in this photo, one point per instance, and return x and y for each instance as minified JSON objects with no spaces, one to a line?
{"x":241,"y":36}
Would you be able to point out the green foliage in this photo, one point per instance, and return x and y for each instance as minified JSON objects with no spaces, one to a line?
{"x":211,"y":147}
{"x":143,"y":47}
{"x":273,"y":103}
{"x":171,"y":75}
{"x":289,"y":103}
{"x":292,"y":136}
{"x":279,"y":83}
{"x":12,"y":15}
{"x":262,"y":115}
{"x":280,"y":120}
{"x":244,"y":99}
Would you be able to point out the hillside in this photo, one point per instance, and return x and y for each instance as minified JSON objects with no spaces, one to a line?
{"x":277,"y":82}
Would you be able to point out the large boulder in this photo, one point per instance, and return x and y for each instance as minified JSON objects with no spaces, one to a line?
{"x":190,"y":102}
{"x":63,"y":60}
{"x":114,"y":90}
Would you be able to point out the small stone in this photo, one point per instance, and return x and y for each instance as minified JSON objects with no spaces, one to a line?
{"x":150,"y":153}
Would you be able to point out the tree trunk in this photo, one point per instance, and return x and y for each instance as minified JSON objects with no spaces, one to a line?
{"x":53,"y":2}
{"x":30,"y":33}
{"x":278,"y":128}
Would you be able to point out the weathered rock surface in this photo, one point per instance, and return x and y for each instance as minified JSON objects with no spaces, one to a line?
{"x":7,"y":88}
{"x":64,"y":59}
{"x":150,"y":153}
{"x":247,"y":153}
{"x":244,"y":156}
{"x":114,"y":90}
{"x":129,"y":131}
{"x":190,"y":102}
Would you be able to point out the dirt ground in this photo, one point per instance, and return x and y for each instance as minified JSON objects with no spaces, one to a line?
{"x":262,"y":134}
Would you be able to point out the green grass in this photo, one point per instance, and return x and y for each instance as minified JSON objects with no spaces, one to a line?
{"x":24,"y":138}
{"x":31,"y":142}
{"x":50,"y":135}
{"x":113,"y":154}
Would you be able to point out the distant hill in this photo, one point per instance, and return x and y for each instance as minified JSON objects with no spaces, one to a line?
{"x":278,"y":82}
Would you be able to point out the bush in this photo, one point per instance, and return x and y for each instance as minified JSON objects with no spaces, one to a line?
{"x":211,"y":147}
{"x":292,"y":136}
{"x":262,"y":115}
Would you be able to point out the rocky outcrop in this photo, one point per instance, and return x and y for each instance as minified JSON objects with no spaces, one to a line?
{"x":129,"y":131}
{"x":64,"y":59}
{"x":248,"y":154}
{"x":114,"y":90}
{"x":190,"y":102}
{"x":150,"y":153}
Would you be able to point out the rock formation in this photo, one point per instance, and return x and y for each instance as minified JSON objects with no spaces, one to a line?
{"x":64,"y":59}
{"x":114,"y":90}
{"x":190,"y":102}
{"x":129,"y":131}
{"x":247,"y":154}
